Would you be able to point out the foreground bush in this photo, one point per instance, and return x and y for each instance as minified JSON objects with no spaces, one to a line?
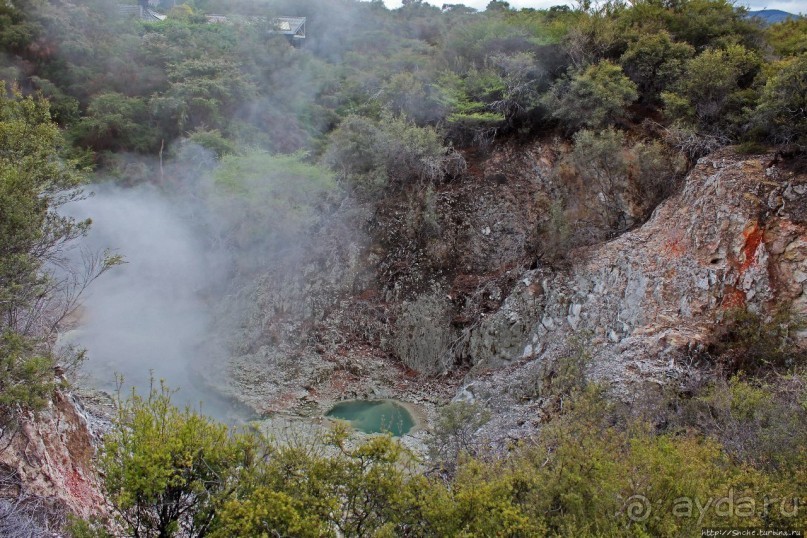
{"x":592,"y":472}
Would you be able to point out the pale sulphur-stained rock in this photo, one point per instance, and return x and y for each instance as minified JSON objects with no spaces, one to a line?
{"x":649,"y":299}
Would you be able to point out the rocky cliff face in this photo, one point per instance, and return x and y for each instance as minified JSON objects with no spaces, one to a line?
{"x":465,"y":293}
{"x":649,"y":300}
{"x":47,"y":469}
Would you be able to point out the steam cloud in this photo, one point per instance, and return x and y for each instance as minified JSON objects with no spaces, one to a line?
{"x":150,"y":316}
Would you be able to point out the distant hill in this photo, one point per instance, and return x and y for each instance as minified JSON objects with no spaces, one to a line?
{"x":772,"y":16}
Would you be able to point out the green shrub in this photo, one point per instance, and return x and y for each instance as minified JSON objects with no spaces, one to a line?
{"x":169,"y":471}
{"x":370,"y":156}
{"x":655,"y":62}
{"x":789,"y":37}
{"x":782,"y":110}
{"x":26,"y":377}
{"x":595,"y":97}
{"x":710,"y":93}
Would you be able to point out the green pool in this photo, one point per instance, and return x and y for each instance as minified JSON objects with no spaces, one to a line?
{"x":374,"y":416}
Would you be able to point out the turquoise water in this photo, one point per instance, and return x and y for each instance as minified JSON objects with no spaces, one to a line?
{"x":374,"y":416}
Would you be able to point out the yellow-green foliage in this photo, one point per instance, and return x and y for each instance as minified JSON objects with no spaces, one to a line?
{"x":26,"y":377}
{"x":711,"y":91}
{"x":789,"y":38}
{"x":782,"y":110}
{"x":586,"y":474}
{"x":654,"y":62}
{"x":166,"y":468}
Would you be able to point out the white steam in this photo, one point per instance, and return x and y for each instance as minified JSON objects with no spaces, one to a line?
{"x":148,"y":317}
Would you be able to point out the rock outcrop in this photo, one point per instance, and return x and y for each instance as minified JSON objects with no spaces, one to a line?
{"x":649,"y":300}
{"x":47,"y":468}
{"x":646,"y":303}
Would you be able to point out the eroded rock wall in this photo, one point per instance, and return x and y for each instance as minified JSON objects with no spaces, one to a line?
{"x":735,"y":236}
{"x":48,"y":467}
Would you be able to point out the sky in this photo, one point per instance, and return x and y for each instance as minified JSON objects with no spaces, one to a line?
{"x":791,"y":6}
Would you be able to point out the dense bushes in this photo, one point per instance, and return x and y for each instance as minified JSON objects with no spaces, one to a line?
{"x":166,"y":471}
{"x":594,"y":98}
{"x":115,"y":122}
{"x":475,"y":77}
{"x":372,"y":155}
{"x":782,"y":110}
{"x":593,"y":471}
{"x":714,"y":94}
{"x":655,"y":62}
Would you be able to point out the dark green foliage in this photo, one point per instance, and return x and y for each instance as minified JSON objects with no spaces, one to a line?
{"x":201,"y":93}
{"x":79,"y":528}
{"x":782,"y":109}
{"x":409,"y":95}
{"x":761,"y":423}
{"x":701,"y":23}
{"x":655,"y":62}
{"x":115,"y":122}
{"x":479,"y":76}
{"x":595,"y":97}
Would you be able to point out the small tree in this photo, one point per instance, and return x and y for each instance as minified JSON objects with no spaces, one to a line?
{"x":595,"y":97}
{"x":655,"y":62}
{"x":35,"y":180}
{"x":710,"y":93}
{"x":782,"y":110}
{"x":167,"y":471}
